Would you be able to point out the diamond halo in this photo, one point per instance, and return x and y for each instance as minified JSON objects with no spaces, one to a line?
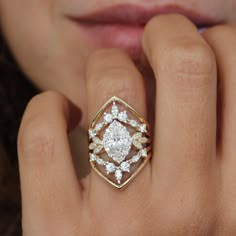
{"x":119,"y":142}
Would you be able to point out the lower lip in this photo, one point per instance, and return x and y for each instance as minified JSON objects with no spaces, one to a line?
{"x":127,"y":37}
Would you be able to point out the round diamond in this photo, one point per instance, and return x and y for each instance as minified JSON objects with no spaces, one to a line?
{"x":110,"y":168}
{"x":93,"y":157}
{"x":117,"y":141}
{"x":108,"y":117}
{"x":123,"y":116}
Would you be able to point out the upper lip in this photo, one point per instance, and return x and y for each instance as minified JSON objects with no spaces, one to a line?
{"x":138,"y":15}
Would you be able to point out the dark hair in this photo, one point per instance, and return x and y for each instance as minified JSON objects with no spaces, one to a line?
{"x":15,"y":92}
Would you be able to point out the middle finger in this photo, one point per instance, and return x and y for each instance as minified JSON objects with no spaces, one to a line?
{"x":111,"y":72}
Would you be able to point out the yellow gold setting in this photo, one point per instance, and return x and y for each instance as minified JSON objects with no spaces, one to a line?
{"x":119,"y":142}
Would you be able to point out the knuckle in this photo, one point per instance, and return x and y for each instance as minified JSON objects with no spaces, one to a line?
{"x":124,"y":80}
{"x":36,"y":137}
{"x":190,"y":64}
{"x":36,"y":140}
{"x":43,"y":99}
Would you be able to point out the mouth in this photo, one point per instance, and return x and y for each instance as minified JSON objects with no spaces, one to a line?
{"x":122,"y":26}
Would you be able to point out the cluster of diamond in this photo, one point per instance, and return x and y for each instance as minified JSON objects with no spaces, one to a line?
{"x":123,"y":167}
{"x":117,"y":142}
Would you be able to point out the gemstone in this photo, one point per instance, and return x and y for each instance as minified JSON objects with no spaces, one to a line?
{"x":135,"y":158}
{"x":138,"y":140}
{"x":143,"y":152}
{"x":118,"y":175}
{"x":143,"y":128}
{"x":98,"y":149}
{"x":98,"y":126}
{"x":137,"y":135}
{"x":110,"y":168}
{"x":92,"y":146}
{"x":114,"y":110}
{"x":125,"y":166}
{"x":143,"y":140}
{"x":91,"y":133}
{"x":100,"y":161}
{"x":117,"y":141}
{"x":93,"y":157}
{"x":97,"y":141}
{"x":122,"y":116}
{"x":133,"y":123}
{"x":137,"y":144}
{"x":108,"y":118}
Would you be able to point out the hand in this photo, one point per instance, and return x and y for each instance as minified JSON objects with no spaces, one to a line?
{"x":188,"y":188}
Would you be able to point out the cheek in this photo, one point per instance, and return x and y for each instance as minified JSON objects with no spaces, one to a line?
{"x":26,"y":25}
{"x":37,"y":36}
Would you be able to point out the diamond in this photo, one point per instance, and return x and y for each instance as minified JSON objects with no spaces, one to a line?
{"x":108,"y":117}
{"x":137,"y":144}
{"x":122,"y":116}
{"x":92,"y":146}
{"x":98,"y":126}
{"x":91,"y":133}
{"x":137,"y":135}
{"x":118,"y":175}
{"x":96,"y":146}
{"x":93,"y":157}
{"x":133,"y":123}
{"x":114,"y":110}
{"x":143,"y":152}
{"x":98,"y":149}
{"x":125,"y":166}
{"x":138,"y":140}
{"x":110,"y":168}
{"x":117,"y":141}
{"x":100,"y":162}
{"x":135,"y":158}
{"x":143,"y":128}
{"x":143,"y":140}
{"x":97,"y":141}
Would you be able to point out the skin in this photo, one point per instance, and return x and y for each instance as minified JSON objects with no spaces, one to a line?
{"x":189,"y":186}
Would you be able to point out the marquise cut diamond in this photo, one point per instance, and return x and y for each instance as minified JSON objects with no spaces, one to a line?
{"x":117,"y":141}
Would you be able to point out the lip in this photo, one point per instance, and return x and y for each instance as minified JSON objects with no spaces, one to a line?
{"x":122,"y":25}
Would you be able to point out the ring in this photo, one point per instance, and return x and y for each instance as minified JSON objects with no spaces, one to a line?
{"x":119,"y":142}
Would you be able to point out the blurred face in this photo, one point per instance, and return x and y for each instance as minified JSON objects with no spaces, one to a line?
{"x":51,"y":39}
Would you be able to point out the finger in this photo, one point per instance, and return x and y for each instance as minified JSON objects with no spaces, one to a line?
{"x":185,"y":71}
{"x":112,"y":73}
{"x":226,"y":56}
{"x":222,"y":39}
{"x":51,"y":195}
